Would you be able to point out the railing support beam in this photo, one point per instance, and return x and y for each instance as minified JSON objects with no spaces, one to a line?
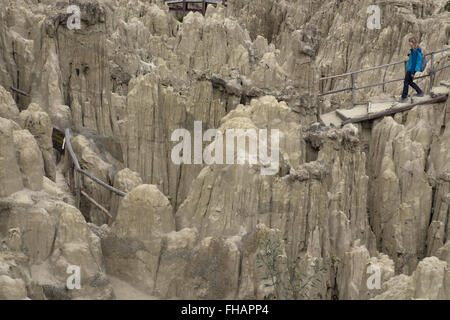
{"x":432,"y":71}
{"x":77,"y":183}
{"x":353,"y":89}
{"x":204,"y":4}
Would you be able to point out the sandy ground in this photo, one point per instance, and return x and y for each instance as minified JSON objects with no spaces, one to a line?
{"x":122,"y":289}
{"x":125,"y":291}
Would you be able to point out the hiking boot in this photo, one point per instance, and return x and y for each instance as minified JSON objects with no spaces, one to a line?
{"x":403,"y":100}
{"x":419,"y":94}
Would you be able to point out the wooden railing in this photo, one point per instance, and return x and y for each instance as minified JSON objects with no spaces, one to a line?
{"x":19,"y":91}
{"x":173,"y":4}
{"x":353,"y":88}
{"x":76,"y":178}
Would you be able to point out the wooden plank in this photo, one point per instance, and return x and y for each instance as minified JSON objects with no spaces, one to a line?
{"x":394,"y":110}
{"x":379,"y":106}
{"x":19,"y":91}
{"x":357,"y":111}
{"x":341,"y":115}
{"x":98,"y":205}
{"x":331,"y":118}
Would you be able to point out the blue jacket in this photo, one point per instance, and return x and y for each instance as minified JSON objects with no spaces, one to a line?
{"x":415,"y":61}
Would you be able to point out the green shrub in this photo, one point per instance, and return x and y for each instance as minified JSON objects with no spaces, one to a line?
{"x":447,"y":6}
{"x":290,"y":286}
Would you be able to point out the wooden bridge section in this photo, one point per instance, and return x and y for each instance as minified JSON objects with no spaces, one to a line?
{"x":373,"y":110}
{"x":75,"y":179}
{"x":193,"y":5}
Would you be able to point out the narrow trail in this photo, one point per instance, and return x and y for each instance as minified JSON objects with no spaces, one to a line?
{"x":61,"y":183}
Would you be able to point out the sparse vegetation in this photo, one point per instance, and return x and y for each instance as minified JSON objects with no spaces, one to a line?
{"x":335,"y":261}
{"x":447,"y":6}
{"x":287,"y":285}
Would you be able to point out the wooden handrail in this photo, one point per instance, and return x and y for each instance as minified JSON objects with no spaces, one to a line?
{"x":19,"y":91}
{"x":84,"y":172}
{"x":98,"y":205}
{"x":353,"y":88}
{"x":380,"y":66}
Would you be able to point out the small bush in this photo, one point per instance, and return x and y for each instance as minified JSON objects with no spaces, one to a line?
{"x":287,"y":286}
{"x":447,"y":6}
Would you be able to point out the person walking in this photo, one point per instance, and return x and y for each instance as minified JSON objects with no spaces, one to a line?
{"x":414,"y":65}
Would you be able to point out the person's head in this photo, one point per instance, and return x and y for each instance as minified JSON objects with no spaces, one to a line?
{"x":413,"y":43}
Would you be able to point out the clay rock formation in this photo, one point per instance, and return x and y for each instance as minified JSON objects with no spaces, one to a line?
{"x":29,"y":158}
{"x":8,"y":108}
{"x":231,"y":200}
{"x":402,"y":200}
{"x":12,"y":289}
{"x":354,"y":276}
{"x":362,"y":197}
{"x":429,"y":281}
{"x":41,"y":235}
{"x":10,"y":177}
{"x":125,"y":180}
{"x":40,"y":126}
{"x":133,"y":246}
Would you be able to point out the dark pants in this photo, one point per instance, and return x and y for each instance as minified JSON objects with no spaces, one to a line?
{"x":409,"y":82}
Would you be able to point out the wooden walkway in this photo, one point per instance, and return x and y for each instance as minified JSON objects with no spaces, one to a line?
{"x":375,"y":110}
{"x":432,"y":70}
{"x":193,"y":5}
{"x":76,"y":182}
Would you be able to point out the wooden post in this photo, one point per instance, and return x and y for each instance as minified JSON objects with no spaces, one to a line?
{"x":204,"y":4}
{"x":185,"y":7}
{"x":432,"y":71}
{"x":77,"y":183}
{"x":98,"y":205}
{"x":353,"y":89}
